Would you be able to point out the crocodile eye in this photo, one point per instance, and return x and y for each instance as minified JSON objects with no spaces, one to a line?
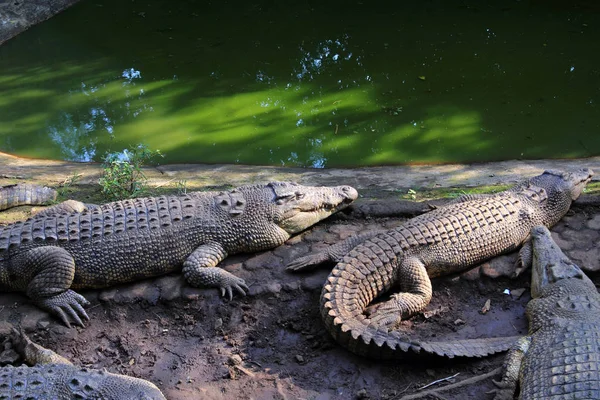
{"x":300,"y":195}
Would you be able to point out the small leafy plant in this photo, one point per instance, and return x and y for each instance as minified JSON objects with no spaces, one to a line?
{"x":122,"y":175}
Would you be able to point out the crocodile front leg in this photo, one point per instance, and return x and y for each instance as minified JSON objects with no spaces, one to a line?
{"x":416,"y":294}
{"x":200,"y":269}
{"x":49,"y":271}
{"x":512,"y":366}
{"x":525,"y":258}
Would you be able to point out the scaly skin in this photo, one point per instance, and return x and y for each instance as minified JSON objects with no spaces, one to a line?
{"x":51,"y":376}
{"x":446,"y":240}
{"x":19,"y":195}
{"x":49,"y":256}
{"x":560,"y":358}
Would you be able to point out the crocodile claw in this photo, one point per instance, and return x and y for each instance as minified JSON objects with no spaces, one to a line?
{"x":233,"y":283}
{"x":68,"y":306}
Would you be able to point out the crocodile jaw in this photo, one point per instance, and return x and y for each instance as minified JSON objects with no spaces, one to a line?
{"x":309,"y":205}
{"x":550,"y":265}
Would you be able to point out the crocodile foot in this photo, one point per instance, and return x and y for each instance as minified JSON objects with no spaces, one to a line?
{"x":233,"y":283}
{"x":384,"y":315}
{"x":388,"y":314}
{"x":68,"y":306}
{"x":308,"y":262}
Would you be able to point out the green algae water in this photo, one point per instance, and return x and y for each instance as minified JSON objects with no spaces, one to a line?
{"x":311,"y":84}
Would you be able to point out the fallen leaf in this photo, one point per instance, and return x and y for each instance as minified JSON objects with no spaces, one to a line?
{"x":422,"y":77}
{"x":430,"y":313}
{"x":486,"y":306}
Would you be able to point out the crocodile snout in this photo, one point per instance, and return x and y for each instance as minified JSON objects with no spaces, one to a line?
{"x":350,"y":193}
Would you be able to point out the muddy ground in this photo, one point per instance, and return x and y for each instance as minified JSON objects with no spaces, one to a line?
{"x":272,"y":344}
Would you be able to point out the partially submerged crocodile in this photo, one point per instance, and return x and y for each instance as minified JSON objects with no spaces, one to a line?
{"x":48,"y":256}
{"x":560,"y":358}
{"x":25,"y":194}
{"x":51,"y":376}
{"x":446,"y":240}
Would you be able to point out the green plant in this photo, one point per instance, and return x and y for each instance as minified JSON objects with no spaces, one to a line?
{"x":122,"y":175}
{"x":181,"y":186}
{"x":66,"y":186}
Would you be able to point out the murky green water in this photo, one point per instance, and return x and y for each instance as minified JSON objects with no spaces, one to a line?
{"x":312,"y":83}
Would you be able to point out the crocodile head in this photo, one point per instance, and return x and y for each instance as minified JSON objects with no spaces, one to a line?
{"x":562,"y":184}
{"x":298,"y":207}
{"x":553,"y":192}
{"x":550,"y":264}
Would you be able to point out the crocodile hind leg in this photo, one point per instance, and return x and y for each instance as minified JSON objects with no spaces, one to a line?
{"x":33,"y":353}
{"x":333,"y":253}
{"x":200,"y":269}
{"x":416,"y":294}
{"x":50,"y":271}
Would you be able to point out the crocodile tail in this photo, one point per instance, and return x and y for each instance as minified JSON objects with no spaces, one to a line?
{"x":469,"y":347}
{"x":21,"y":194}
{"x":353,"y":333}
{"x":363,"y":275}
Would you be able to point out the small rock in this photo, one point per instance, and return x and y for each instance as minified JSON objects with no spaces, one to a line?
{"x":594,"y":223}
{"x":31,"y":317}
{"x":499,"y":266}
{"x":294,"y":240}
{"x":218,"y":323}
{"x":517,"y":293}
{"x":193,"y":293}
{"x":137,"y":292}
{"x":8,"y":357}
{"x":362,"y":394}
{"x":43,"y":324}
{"x":274,"y":287}
{"x":472,"y":274}
{"x":291,"y":286}
{"x":299,"y":359}
{"x":107,"y":295}
{"x":486,"y":307}
{"x":262,"y":261}
{"x":170,"y":287}
{"x":459,"y":322}
{"x":234,"y":359}
{"x":314,"y":282}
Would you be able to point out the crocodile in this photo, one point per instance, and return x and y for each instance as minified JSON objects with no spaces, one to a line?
{"x":446,"y":240}
{"x":48,"y":256}
{"x":560,"y":357}
{"x":51,"y":376}
{"x":25,"y":194}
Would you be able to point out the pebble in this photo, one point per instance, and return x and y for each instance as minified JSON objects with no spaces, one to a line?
{"x":499,"y":266}
{"x":8,"y":356}
{"x":234,"y":359}
{"x":170,"y":287}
